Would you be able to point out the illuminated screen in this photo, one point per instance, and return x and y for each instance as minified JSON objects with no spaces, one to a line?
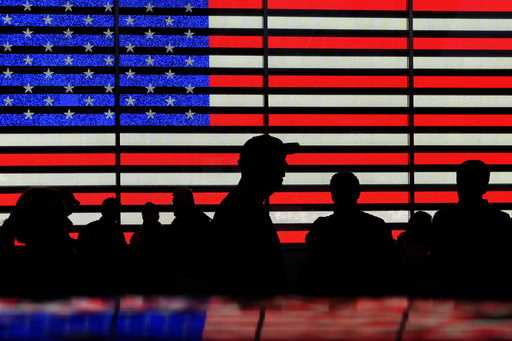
{"x":135,"y":98}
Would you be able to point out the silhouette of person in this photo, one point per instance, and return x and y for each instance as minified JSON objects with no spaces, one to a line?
{"x":414,"y":244}
{"x":249,"y":257}
{"x":188,"y":241}
{"x":350,"y":249}
{"x":471,"y":239}
{"x":148,"y":241}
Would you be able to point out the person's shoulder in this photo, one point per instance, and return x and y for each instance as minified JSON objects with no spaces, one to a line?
{"x":370,"y":219}
{"x":320,"y":222}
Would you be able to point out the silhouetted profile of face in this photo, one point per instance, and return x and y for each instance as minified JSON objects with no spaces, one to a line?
{"x":263,"y":162}
{"x":472,"y":180}
{"x":150,"y":213}
{"x":345,"y":190}
{"x":183,"y":202}
{"x":110,"y":209}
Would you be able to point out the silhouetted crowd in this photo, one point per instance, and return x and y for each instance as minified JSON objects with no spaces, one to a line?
{"x":464,"y":249}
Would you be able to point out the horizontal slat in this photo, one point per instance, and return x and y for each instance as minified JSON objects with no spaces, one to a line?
{"x":338,"y":100}
{"x":491,"y":158}
{"x":226,"y":21}
{"x":463,"y":5}
{"x":462,"y":139}
{"x":236,"y":100}
{"x":443,"y":197}
{"x":337,"y":62}
{"x":337,"y":23}
{"x":368,"y":5}
{"x":57,"y":140}
{"x":466,"y":82}
{"x":57,"y":159}
{"x":57,"y":179}
{"x":278,"y":81}
{"x":235,"y":61}
{"x":449,"y":178}
{"x":463,"y":43}
{"x":458,"y":24}
{"x":463,"y":120}
{"x":485,"y":63}
{"x":338,"y":120}
{"x":462,"y":101}
{"x":318,"y":42}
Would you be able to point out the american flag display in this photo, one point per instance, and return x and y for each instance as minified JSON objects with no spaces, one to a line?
{"x":135,"y":98}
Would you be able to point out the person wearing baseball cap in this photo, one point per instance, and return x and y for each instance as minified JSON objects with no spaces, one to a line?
{"x":246,"y":248}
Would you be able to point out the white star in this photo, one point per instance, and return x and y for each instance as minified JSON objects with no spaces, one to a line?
{"x":88,"y":74}
{"x":69,"y":88}
{"x":169,"y":74}
{"x":28,"y":60}
{"x":130,"y":101}
{"x":169,"y":21}
{"x":130,"y":21}
{"x":28,"y":114}
{"x":149,"y":7}
{"x":108,"y":7}
{"x":69,"y":114}
{"x":150,"y":88}
{"x":8,"y":47}
{"x":48,"y":74}
{"x":88,"y":47}
{"x":169,"y":48}
{"x":68,"y":33}
{"x":68,"y":60}
{"x":150,"y":114}
{"x":47,"y":20}
{"x":129,"y":74}
{"x":7,"y":19}
{"x":109,"y":88}
{"x":190,"y":89}
{"x":189,"y":61}
{"x":88,"y":20}
{"x":170,"y":101}
{"x":27,"y":6}
{"x":188,"y":8}
{"x":48,"y":47}
{"x":190,"y":114}
{"x":129,"y":47}
{"x":189,"y":34}
{"x":109,"y":114}
{"x":109,"y":60}
{"x":8,"y":101}
{"x":8,"y":73}
{"x":150,"y":61}
{"x":49,"y":101}
{"x":68,"y":7}
{"x":89,"y":101}
{"x":149,"y":34}
{"x":108,"y":33}
{"x":28,"y":88}
{"x":28,"y":33}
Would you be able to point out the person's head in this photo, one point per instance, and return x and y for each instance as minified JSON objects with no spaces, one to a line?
{"x":472,"y":180}
{"x":110,"y":209}
{"x":345,"y":190}
{"x":183,"y":202}
{"x":150,"y":213}
{"x":420,"y":221}
{"x":263,"y":162}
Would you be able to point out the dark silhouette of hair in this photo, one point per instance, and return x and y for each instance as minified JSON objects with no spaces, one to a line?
{"x":349,"y":250}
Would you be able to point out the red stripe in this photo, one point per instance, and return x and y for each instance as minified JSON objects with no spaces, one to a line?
{"x":338,"y":81}
{"x":128,"y":237}
{"x":54,"y":159}
{"x":219,"y":81}
{"x":73,"y":235}
{"x":236,"y":120}
{"x":466,"y":120}
{"x":463,"y":43}
{"x":430,"y":197}
{"x":238,"y":42}
{"x":316,"y":42}
{"x":348,"y":159}
{"x":470,"y":82}
{"x":349,"y":5}
{"x":463,"y":5}
{"x":86,"y":199}
{"x":457,"y":158}
{"x":304,"y":198}
{"x":201,"y":198}
{"x":234,"y":4}
{"x":338,"y":120}
{"x":396,"y":233}
{"x":292,"y":237}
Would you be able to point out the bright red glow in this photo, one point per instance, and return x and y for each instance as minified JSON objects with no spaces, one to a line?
{"x":234,"y":4}
{"x":338,"y":120}
{"x":278,"y":81}
{"x":236,"y":120}
{"x":490,"y":158}
{"x":318,"y":42}
{"x":244,"y":81}
{"x":470,"y":82}
{"x":463,"y":43}
{"x":54,"y":159}
{"x":462,"y":120}
{"x":463,"y":5}
{"x":347,"y":5}
{"x":237,"y":42}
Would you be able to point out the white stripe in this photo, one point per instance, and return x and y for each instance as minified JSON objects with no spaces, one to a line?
{"x":463,"y":63}
{"x":450,"y":178}
{"x":463,"y":139}
{"x":308,"y":217}
{"x":462,"y":101}
{"x":236,"y":100}
{"x":231,"y":179}
{"x":60,"y":179}
{"x":330,"y":62}
{"x":337,"y":23}
{"x":227,"y":21}
{"x":82,"y":218}
{"x":457,"y":24}
{"x":338,"y":100}
{"x":45,"y":140}
{"x":236,"y":61}
{"x":346,"y":139}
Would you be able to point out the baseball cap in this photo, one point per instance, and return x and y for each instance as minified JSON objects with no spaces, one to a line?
{"x":266,"y":147}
